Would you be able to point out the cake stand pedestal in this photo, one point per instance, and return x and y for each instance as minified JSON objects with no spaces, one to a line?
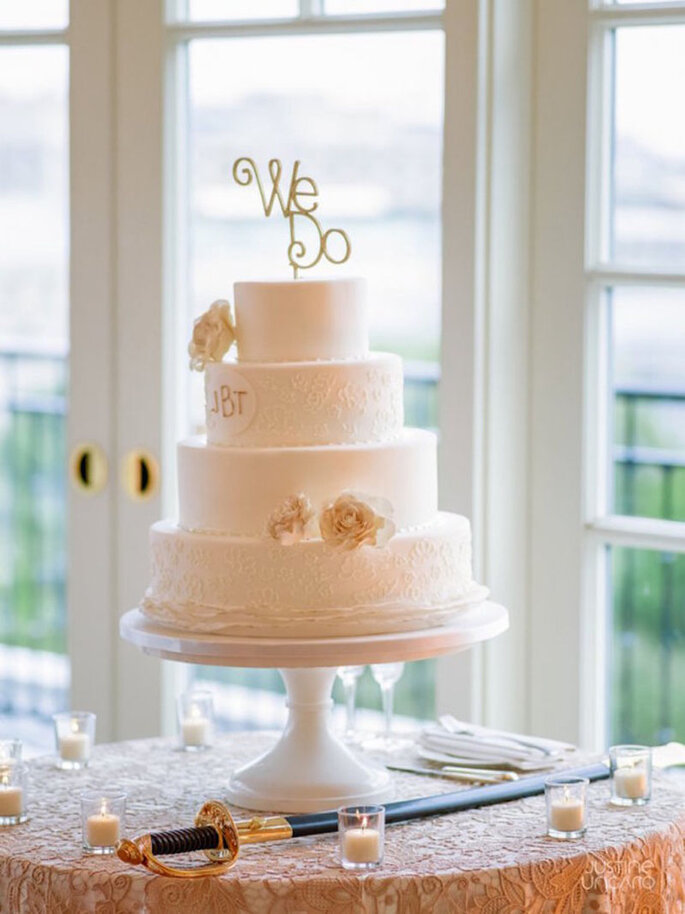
{"x":309,"y":769}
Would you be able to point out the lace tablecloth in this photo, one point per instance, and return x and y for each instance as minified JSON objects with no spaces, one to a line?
{"x":492,"y":860}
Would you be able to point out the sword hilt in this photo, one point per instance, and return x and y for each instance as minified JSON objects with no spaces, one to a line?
{"x":215,"y":833}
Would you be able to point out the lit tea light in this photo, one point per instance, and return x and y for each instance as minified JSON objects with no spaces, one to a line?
{"x":567,"y":813}
{"x":74,"y":746}
{"x":361,"y":832}
{"x":362,"y":845}
{"x":102,"y":829}
{"x":12,"y":793}
{"x":101,"y":818}
{"x":195,"y":728}
{"x":11,"y":801}
{"x":195,"y":720}
{"x":631,"y":775}
{"x":566,"y":806}
{"x":74,"y":738}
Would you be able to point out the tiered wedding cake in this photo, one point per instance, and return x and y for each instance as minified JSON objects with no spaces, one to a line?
{"x":309,"y":510}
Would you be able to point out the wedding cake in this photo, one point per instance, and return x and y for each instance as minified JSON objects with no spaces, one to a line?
{"x":308,"y":509}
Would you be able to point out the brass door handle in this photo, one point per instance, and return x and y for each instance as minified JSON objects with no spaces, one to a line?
{"x":88,"y":468}
{"x":140,"y":475}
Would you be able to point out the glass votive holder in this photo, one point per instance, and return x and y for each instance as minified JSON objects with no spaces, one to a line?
{"x":10,"y":750}
{"x":74,"y":738}
{"x":13,"y":780}
{"x":566,"y":806}
{"x":361,"y":833}
{"x":103,"y":816}
{"x":631,"y":775}
{"x":195,"y":720}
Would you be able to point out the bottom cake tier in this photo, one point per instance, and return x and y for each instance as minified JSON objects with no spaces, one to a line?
{"x":205,"y":582}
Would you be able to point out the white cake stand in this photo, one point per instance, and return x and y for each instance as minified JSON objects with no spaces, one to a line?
{"x":309,"y":769}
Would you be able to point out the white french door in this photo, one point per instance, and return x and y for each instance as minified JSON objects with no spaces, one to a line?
{"x":117,"y":345}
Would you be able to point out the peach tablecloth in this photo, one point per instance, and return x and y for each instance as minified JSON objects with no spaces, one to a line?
{"x":493,"y":861}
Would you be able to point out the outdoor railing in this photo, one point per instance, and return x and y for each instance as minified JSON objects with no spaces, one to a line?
{"x":34,"y":670}
{"x":649,"y":586}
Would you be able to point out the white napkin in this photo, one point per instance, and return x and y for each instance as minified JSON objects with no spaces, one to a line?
{"x":463,"y":743}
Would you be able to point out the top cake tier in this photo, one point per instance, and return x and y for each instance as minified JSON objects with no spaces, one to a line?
{"x":301,"y":320}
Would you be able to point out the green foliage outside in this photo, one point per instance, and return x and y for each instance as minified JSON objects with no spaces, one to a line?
{"x":33,"y":530}
{"x":648,"y":607}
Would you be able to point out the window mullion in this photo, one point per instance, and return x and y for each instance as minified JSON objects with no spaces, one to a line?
{"x":316,"y":25}
{"x":311,"y":9}
{"x":639,"y":532}
{"x":612,"y":275}
{"x":639,"y":14}
{"x":34,"y":36}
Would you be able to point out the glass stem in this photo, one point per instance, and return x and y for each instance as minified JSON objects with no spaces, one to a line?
{"x":350,"y":702}
{"x":387,"y":695}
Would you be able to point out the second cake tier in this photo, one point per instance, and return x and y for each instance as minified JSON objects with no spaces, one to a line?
{"x":236,"y":490}
{"x":276,"y":404}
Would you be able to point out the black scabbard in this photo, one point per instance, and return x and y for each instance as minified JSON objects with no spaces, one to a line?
{"x":445,"y":803}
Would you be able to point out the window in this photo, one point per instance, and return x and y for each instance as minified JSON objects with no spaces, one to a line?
{"x":34,"y":669}
{"x":645,"y":329}
{"x":618,"y":592}
{"x":279,"y":94}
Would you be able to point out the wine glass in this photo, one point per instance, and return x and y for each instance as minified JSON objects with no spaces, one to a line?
{"x":387,"y":675}
{"x":349,"y":676}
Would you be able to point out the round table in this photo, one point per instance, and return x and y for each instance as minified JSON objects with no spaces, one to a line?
{"x":494,"y":860}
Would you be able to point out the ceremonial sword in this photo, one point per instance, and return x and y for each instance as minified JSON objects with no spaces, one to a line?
{"x":220,"y":837}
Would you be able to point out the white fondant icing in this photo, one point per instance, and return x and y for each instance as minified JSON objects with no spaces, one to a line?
{"x":304,"y":415}
{"x":305,"y":403}
{"x":235,"y":490}
{"x":241,"y":586}
{"x":301,"y":320}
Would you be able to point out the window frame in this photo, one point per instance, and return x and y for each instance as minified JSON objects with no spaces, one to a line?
{"x":458,"y":684}
{"x":569,"y":593}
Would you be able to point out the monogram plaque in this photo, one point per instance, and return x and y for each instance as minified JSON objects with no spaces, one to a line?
{"x":231,"y":401}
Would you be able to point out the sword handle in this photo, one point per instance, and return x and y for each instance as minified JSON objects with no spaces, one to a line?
{"x":215,"y":833}
{"x":184,"y":840}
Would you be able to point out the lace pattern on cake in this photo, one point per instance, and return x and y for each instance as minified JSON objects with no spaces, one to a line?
{"x":221,"y":587}
{"x":317,"y":406}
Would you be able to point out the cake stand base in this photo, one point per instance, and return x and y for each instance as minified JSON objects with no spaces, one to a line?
{"x":308,"y":769}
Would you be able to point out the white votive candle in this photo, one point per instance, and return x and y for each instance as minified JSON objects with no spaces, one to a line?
{"x":102,"y":829}
{"x":195,"y":731}
{"x":567,"y":814}
{"x":11,"y":801}
{"x":362,"y":845}
{"x":631,"y":783}
{"x":74,"y":747}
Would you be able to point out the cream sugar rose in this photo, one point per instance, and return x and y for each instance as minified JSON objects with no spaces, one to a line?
{"x":308,"y":509}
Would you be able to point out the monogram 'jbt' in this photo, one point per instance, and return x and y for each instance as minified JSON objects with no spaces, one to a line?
{"x":228,"y":401}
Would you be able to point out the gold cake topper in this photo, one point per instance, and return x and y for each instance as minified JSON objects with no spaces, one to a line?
{"x":292,"y":207}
